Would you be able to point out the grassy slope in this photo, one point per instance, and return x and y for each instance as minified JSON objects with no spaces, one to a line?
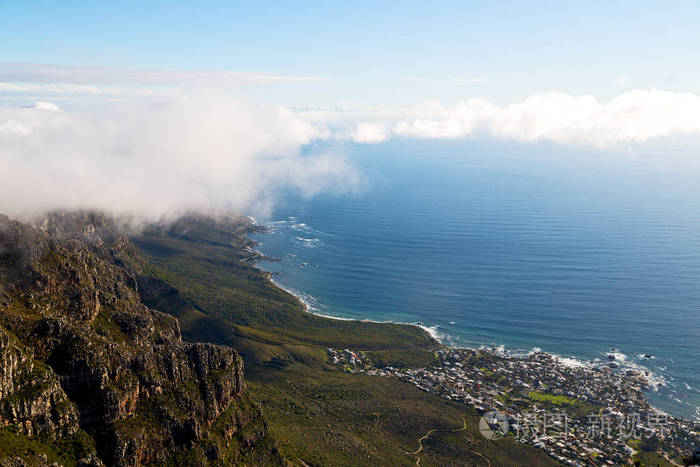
{"x":319,"y":414}
{"x":38,"y":451}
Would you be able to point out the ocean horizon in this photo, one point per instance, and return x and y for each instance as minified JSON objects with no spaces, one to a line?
{"x":489,"y":245}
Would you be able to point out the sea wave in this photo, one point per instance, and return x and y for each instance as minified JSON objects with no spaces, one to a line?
{"x":434,"y":332}
{"x":307,"y":242}
{"x":572,"y":362}
{"x":306,"y":228}
{"x":655,"y":378}
{"x":310,"y":302}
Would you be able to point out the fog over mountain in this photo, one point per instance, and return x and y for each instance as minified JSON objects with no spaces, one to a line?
{"x":160,"y":159}
{"x":207,"y":151}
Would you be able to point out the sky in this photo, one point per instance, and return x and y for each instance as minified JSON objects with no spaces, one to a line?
{"x":208,"y":105}
{"x":375,"y":53}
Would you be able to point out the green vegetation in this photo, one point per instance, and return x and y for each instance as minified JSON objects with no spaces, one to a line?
{"x":93,"y":374}
{"x":225,"y":299}
{"x":40,"y":451}
{"x":574,"y":407}
{"x":319,"y":414}
{"x":323,"y":416}
{"x":553,"y":399}
{"x":105,"y":326}
{"x":650,"y":459}
{"x":648,"y":455}
{"x":201,"y":272}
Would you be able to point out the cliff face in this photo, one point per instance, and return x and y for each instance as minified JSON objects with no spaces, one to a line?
{"x":82,"y":358}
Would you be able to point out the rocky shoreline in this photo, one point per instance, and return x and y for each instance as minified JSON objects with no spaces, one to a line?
{"x":532,"y":389}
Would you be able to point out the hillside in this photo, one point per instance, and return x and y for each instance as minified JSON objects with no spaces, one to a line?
{"x":201,"y":271}
{"x":91,"y":376}
{"x":95,"y":371}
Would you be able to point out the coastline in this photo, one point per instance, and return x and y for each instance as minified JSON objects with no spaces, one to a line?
{"x":308,"y":308}
{"x":438,"y":338}
{"x":534,"y":381}
{"x":620,"y":387}
{"x":443,"y":339}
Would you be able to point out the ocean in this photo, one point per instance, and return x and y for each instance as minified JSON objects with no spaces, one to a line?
{"x":577,"y":252}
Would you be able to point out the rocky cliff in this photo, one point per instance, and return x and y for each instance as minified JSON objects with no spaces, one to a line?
{"x":89,"y":375}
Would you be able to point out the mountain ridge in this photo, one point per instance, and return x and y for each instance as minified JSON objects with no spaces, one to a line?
{"x":97,"y":376}
{"x":143,"y":334}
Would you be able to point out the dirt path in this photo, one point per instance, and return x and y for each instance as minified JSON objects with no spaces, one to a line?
{"x":464,"y":420}
{"x":430,"y":432}
{"x":488,"y":462}
{"x":423,"y":438}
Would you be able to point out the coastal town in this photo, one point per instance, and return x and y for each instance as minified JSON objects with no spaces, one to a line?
{"x":586,"y":414}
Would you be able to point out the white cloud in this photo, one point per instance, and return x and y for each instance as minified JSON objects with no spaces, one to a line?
{"x":13,"y":72}
{"x":208,"y":152}
{"x":12,"y":126}
{"x":50,"y":106}
{"x":369,"y":133}
{"x":153,"y":160}
{"x":631,"y":118}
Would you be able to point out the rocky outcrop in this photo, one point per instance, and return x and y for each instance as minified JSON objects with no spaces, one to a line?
{"x":31,"y":397}
{"x":79,"y":351}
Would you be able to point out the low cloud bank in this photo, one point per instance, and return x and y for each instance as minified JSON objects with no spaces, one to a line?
{"x":211,"y":153}
{"x":630,"y":118}
{"x":160,"y":160}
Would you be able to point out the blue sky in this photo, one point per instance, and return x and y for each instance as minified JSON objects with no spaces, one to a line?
{"x":209,"y":105}
{"x":376,"y":53}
